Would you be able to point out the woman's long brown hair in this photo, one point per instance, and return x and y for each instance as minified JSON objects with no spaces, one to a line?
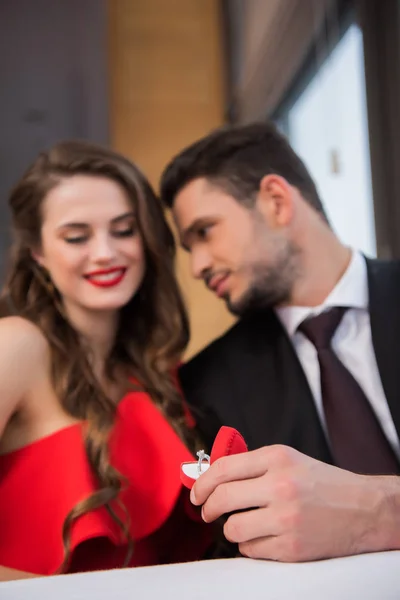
{"x":153,"y":326}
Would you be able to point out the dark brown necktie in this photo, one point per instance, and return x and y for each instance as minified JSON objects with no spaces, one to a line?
{"x":357,"y":441}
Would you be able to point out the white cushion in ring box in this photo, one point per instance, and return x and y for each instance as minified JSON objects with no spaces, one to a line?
{"x":192,"y":469}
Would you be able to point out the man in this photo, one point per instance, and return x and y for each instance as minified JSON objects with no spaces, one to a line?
{"x":309,"y":374}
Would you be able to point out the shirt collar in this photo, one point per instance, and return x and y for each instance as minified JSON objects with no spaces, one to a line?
{"x":350,"y":291}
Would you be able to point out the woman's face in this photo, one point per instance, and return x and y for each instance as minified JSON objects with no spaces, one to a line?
{"x":90,"y":244}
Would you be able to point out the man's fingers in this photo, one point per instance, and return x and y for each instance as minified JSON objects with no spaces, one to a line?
{"x":251,"y":524}
{"x":248,"y":465}
{"x":265,"y":547}
{"x":235,"y":495}
{"x":282,"y":548}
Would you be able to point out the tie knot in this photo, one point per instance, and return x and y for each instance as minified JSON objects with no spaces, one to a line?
{"x":320,"y":329}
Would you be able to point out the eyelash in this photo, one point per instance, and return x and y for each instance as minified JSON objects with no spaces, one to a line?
{"x":119,"y":234}
{"x":203,"y":231}
{"x":125,"y":232}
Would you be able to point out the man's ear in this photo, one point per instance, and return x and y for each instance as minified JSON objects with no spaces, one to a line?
{"x":275,"y":200}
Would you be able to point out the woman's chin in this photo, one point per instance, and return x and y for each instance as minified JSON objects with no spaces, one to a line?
{"x":109,"y":302}
{"x":109,"y":306}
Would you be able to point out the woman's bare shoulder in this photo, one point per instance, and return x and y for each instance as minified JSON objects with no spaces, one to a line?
{"x":21,"y":340}
{"x":24,"y":360}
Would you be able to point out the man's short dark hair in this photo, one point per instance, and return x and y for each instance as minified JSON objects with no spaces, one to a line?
{"x":236,"y":158}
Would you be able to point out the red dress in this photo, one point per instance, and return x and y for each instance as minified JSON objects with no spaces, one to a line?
{"x":40,"y":483}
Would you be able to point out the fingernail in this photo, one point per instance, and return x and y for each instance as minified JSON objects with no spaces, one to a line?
{"x":193,"y":497}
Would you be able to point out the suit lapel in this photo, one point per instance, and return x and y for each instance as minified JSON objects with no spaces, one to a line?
{"x":278,"y":406}
{"x":384,"y":307}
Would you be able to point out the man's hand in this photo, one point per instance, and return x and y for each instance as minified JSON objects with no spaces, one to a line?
{"x":299,"y":508}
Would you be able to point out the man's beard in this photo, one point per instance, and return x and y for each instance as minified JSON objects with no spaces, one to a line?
{"x":271,"y":285}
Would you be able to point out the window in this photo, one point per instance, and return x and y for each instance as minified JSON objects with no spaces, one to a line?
{"x":327,"y":126}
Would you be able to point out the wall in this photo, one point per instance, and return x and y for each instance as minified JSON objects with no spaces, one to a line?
{"x":53,"y":75}
{"x":166,"y":90}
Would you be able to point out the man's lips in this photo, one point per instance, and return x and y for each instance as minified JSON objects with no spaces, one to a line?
{"x":217,"y":283}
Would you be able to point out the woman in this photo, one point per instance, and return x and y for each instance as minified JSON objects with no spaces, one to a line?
{"x":91,"y":423}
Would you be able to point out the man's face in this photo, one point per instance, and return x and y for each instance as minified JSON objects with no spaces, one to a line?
{"x":238,"y":254}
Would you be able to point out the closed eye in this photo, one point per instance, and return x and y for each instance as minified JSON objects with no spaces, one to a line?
{"x":130,"y":231}
{"x":122,"y":233}
{"x":76,"y":240}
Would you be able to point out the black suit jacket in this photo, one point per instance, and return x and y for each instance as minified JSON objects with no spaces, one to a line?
{"x":251,"y":378}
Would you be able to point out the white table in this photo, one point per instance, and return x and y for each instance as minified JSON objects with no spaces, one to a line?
{"x":368,"y":577}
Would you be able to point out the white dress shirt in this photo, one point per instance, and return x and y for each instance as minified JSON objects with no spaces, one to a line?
{"x":352,"y":343}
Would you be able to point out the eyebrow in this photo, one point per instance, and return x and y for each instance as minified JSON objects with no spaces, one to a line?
{"x":114,"y":221}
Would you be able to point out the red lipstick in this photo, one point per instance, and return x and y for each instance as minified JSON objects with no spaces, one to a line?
{"x":106,"y":277}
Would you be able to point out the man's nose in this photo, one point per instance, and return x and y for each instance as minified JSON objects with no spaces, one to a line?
{"x":200,"y":262}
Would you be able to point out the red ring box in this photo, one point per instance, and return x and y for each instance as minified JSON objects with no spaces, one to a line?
{"x":228,"y":441}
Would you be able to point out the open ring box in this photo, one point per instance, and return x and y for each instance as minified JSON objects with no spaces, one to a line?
{"x":228,"y":441}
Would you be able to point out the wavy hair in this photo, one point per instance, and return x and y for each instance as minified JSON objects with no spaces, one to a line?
{"x":153,"y":327}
